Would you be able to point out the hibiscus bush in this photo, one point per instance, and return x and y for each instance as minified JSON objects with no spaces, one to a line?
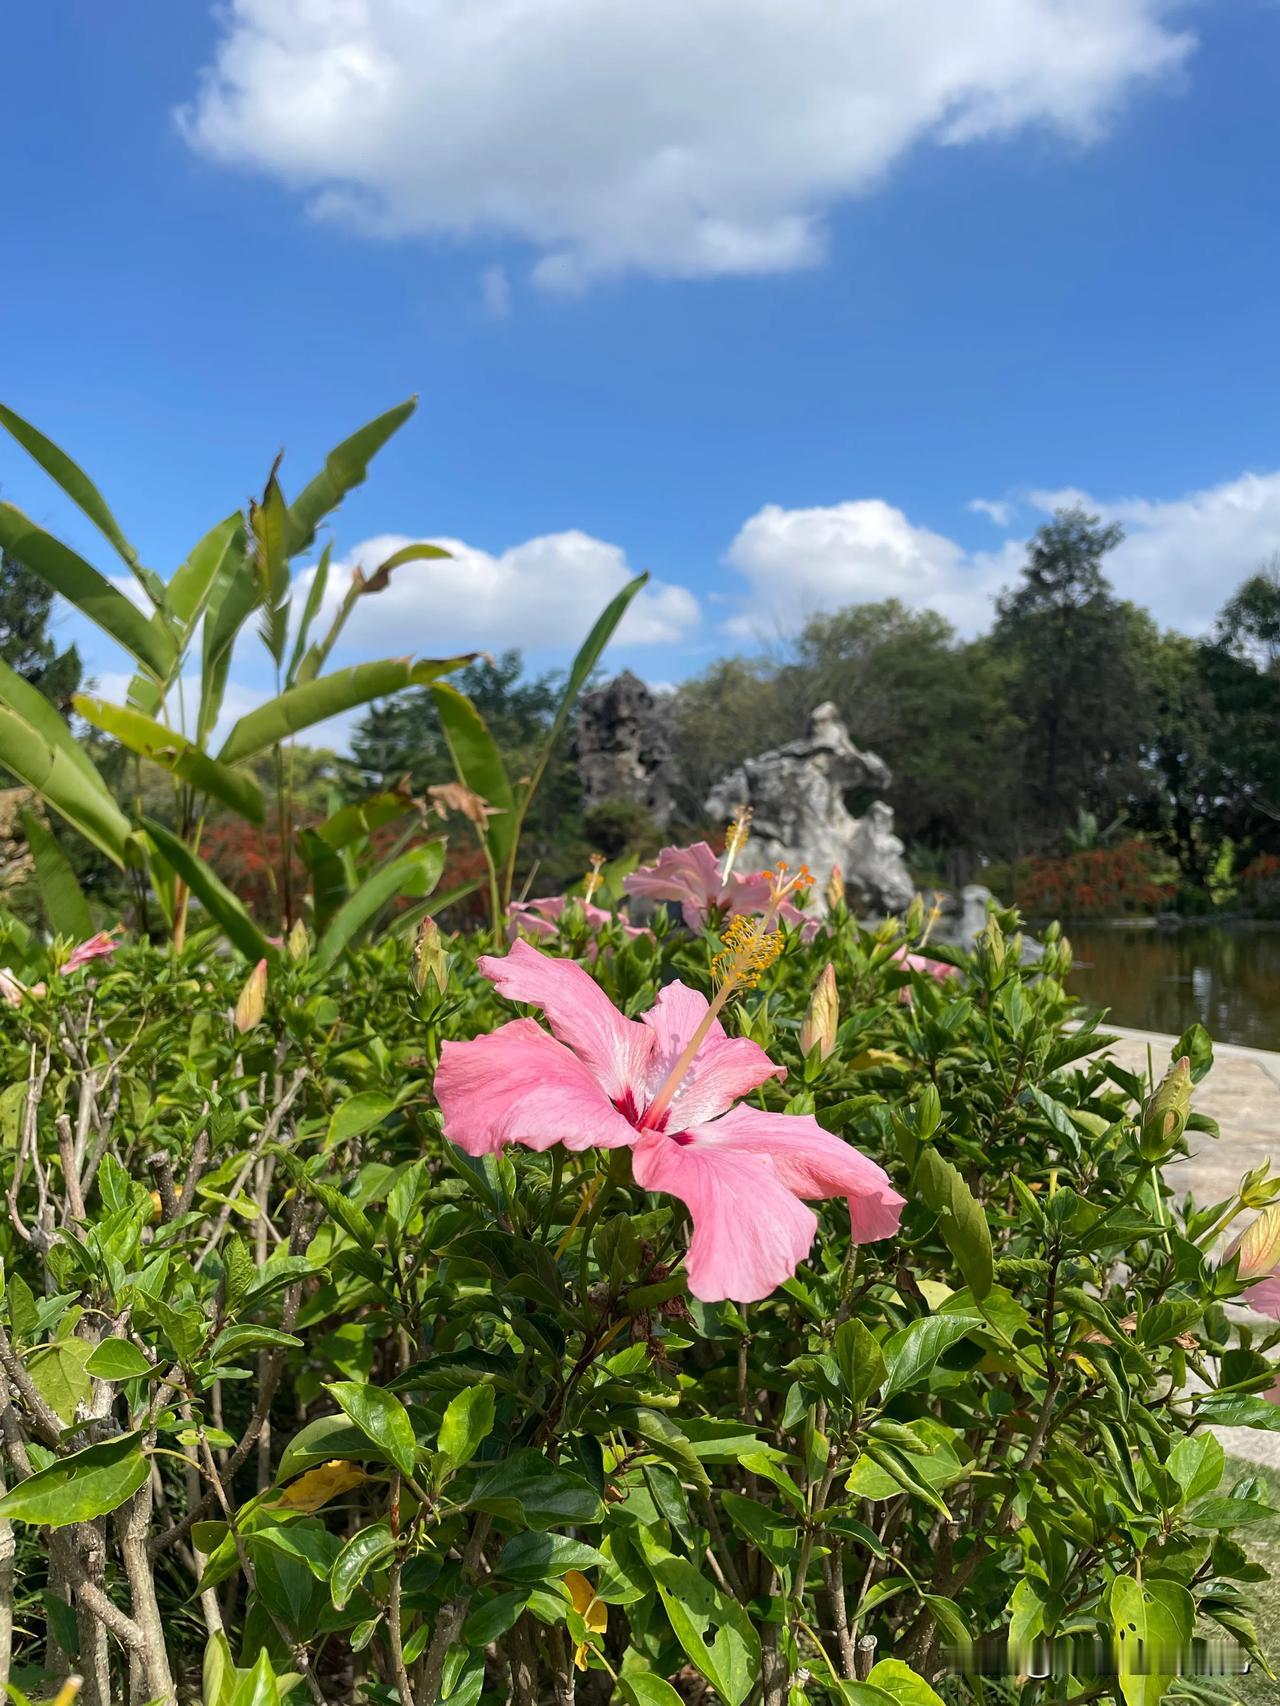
{"x":739,"y":1309}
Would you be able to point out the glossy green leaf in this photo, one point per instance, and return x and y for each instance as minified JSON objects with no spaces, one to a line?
{"x":344,"y":468}
{"x":365,"y":1551}
{"x":191,"y":587}
{"x":479,"y":766}
{"x":79,"y":1488}
{"x":962,"y":1222}
{"x":37,"y":746}
{"x":117,"y":1359}
{"x":527,"y":1487}
{"x":535,"y":1557}
{"x":860,"y":1360}
{"x":382,"y":1418}
{"x":467,"y":1421}
{"x":718,"y":1638}
{"x":911,"y":1353}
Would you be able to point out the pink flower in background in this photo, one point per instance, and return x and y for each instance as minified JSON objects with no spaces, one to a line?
{"x":604,"y":1081}
{"x":691,"y":876}
{"x":12,"y":989}
{"x":95,"y":948}
{"x":922,"y":962}
{"x":541,"y":919}
{"x":1258,"y":1248}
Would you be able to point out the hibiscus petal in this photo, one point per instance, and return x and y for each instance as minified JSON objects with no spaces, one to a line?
{"x":1265,"y":1296}
{"x":723,"y":1069}
{"x":690,"y":875}
{"x":812,"y":1163}
{"x":518,"y":1085}
{"x":749,"y":1232}
{"x":616,"y":1050}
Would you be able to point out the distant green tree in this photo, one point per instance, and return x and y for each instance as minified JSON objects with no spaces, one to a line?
{"x":734,"y":709}
{"x":1182,"y":805}
{"x":1240,"y":667}
{"x":26,"y":605}
{"x":1081,"y":686}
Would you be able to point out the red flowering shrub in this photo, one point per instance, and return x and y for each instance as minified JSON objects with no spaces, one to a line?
{"x":1103,"y":882}
{"x":1260,"y":886}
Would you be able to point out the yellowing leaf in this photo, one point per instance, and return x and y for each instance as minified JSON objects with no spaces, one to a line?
{"x":593,"y":1612}
{"x":871,"y":1057}
{"x":321,"y":1484}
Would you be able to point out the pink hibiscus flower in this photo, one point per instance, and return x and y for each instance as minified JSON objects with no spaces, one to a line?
{"x":692,"y":877}
{"x":665,"y":1087}
{"x":1258,"y":1248}
{"x":541,"y":919}
{"x":95,"y":948}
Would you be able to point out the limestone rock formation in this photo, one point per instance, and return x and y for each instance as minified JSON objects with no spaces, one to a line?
{"x":623,"y":747}
{"x":797,"y":797}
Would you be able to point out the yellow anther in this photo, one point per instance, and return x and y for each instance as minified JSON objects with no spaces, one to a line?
{"x":749,"y":951}
{"x":593,"y":880}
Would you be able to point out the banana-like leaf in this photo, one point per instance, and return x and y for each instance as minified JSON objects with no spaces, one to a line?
{"x":344,"y":468}
{"x":479,"y":766}
{"x":92,"y":594}
{"x":176,"y":754}
{"x":414,"y":873}
{"x":315,"y":598}
{"x":82,"y":492}
{"x":268,"y":527}
{"x":329,"y":884}
{"x":234,"y":598}
{"x":586,"y":660}
{"x":38,"y":747}
{"x":65,"y":906}
{"x":352,"y":823}
{"x":193,"y":581}
{"x":361,"y":585}
{"x":299,"y":707}
{"x":213,"y":894}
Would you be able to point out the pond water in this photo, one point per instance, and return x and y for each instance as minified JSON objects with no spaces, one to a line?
{"x":1226,"y":976}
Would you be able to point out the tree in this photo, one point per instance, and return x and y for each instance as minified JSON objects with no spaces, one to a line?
{"x":1081,"y":687}
{"x":1241,"y":671}
{"x":26,"y":604}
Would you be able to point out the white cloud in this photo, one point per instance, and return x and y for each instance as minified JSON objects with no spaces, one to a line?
{"x":542,"y":595}
{"x":1181,"y":558}
{"x":997,"y":510}
{"x":495,"y":292}
{"x":684,"y":138}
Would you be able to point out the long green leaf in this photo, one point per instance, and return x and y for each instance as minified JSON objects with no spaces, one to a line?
{"x":91,"y":593}
{"x":193,"y":581}
{"x":213,"y":894}
{"x":176,"y":754}
{"x":479,"y":765}
{"x":62,"y":775}
{"x":360,"y":586}
{"x":234,"y":598}
{"x":44,"y":717}
{"x":414,"y":873}
{"x":588,"y":657}
{"x":310,"y":610}
{"x":64,"y":902}
{"x":344,"y":468}
{"x":300,"y":707}
{"x":80,"y":489}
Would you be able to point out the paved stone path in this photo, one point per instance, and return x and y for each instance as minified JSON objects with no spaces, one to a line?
{"x":1243,"y":1094}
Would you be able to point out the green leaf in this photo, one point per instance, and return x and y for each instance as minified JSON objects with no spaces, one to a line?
{"x":344,"y":468}
{"x":765,"y":1529}
{"x":962,"y":1222}
{"x":901,"y":1684}
{"x":38,"y":747}
{"x":641,"y":1689}
{"x":526,"y":1487}
{"x":860,"y":1359}
{"x":911,"y":1353}
{"x":117,"y":1359}
{"x":234,"y":598}
{"x":59,"y":1374}
{"x":1196,"y":1464}
{"x":1223,"y":1410}
{"x":467,"y":1421}
{"x":80,"y":1488}
{"x":382,"y":1418}
{"x":249,"y":1336}
{"x":193,"y":582}
{"x":78,"y":487}
{"x":1153,"y":1621}
{"x":176,"y":754}
{"x":588,"y":656}
{"x":479,"y":766}
{"x":714,"y":1630}
{"x":92,"y":594}
{"x":414,"y":873}
{"x":533,"y":1557}
{"x":213,"y":894}
{"x":1228,"y":1513}
{"x":65,"y":906}
{"x":299,"y":707}
{"x":322,"y":1440}
{"x":365,"y":1551}
{"x":359,"y":1113}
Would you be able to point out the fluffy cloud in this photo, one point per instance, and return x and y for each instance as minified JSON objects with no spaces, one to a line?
{"x":1181,"y":558}
{"x":682,"y":137}
{"x":541,"y":595}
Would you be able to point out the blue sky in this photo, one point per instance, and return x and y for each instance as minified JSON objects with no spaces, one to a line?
{"x":762,"y":304}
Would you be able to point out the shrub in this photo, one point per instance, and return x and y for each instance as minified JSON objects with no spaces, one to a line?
{"x":1097,"y":882}
{"x":294,"y":1387}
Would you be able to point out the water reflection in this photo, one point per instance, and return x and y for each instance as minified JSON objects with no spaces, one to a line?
{"x":1226,"y":976}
